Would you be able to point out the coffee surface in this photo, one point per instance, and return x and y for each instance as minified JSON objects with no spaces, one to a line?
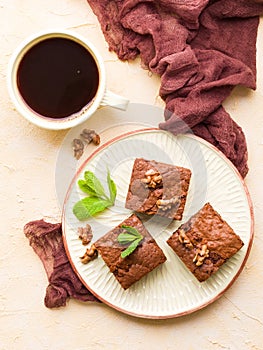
{"x":57,"y":77}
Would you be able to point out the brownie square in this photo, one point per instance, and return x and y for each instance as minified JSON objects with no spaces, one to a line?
{"x":158,"y":188}
{"x":205,"y":242}
{"x":146,"y":257}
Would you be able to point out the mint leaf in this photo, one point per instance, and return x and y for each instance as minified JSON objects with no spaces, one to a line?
{"x":94,"y":184}
{"x":97,"y":200}
{"x":131,"y":248}
{"x":112,"y":187}
{"x":86,"y":188}
{"x":90,"y":206}
{"x":80,"y":211}
{"x":131,"y":236}
{"x":125,"y":238}
{"x":132,"y":231}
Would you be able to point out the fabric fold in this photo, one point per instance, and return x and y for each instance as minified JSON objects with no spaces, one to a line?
{"x":201,"y":49}
{"x":46,"y":240}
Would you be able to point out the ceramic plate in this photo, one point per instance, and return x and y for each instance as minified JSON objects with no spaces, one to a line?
{"x":170,"y":290}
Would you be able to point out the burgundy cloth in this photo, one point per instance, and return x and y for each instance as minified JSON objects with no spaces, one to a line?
{"x":201,"y":49}
{"x":46,"y":240}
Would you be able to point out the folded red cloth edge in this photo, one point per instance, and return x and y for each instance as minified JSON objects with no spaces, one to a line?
{"x":46,"y":240}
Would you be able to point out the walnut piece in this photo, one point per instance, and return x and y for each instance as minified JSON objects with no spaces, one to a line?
{"x":78,"y":148}
{"x":90,"y":254}
{"x":200,"y":255}
{"x":152,"y":178}
{"x":184,"y":239}
{"x":85,"y":234}
{"x":89,"y":135}
{"x":166,"y":204}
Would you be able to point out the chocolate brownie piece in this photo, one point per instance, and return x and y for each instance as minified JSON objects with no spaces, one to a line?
{"x":205,"y":242}
{"x":158,"y":188}
{"x":146,"y":257}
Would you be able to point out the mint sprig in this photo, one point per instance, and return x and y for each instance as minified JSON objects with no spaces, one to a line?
{"x":98,"y":200}
{"x":112,"y":187}
{"x":130,"y":236}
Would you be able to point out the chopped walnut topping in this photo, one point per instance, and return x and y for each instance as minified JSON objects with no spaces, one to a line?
{"x":184,"y":239}
{"x":78,"y":148}
{"x":151,"y":172}
{"x":200,"y":255}
{"x":166,"y":204}
{"x":152,"y":178}
{"x":90,"y":254}
{"x":85,"y":234}
{"x":89,"y":135}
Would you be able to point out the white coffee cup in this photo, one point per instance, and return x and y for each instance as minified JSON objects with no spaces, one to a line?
{"x":102,"y":97}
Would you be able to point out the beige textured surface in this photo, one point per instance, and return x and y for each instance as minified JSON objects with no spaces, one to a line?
{"x":27,"y":164}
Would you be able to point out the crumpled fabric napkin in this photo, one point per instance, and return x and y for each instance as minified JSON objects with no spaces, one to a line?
{"x":46,"y":240}
{"x":201,"y":49}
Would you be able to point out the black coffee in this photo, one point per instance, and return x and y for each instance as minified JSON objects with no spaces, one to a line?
{"x":57,"y":77}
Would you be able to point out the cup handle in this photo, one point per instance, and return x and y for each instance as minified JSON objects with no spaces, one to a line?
{"x":114,"y":100}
